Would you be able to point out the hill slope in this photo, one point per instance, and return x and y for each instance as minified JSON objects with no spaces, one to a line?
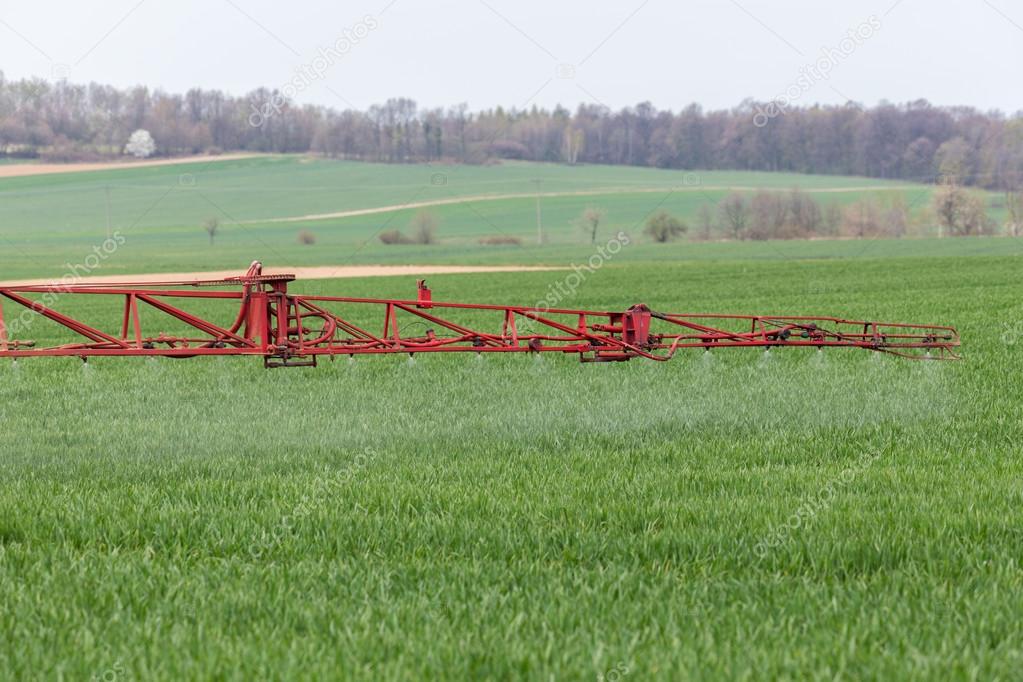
{"x":50,"y":222}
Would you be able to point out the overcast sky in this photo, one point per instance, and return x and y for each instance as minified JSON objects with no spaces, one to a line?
{"x":521,"y":52}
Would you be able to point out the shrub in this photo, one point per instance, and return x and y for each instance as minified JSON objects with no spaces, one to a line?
{"x":64,"y":150}
{"x":664,"y":227}
{"x":862,"y":219}
{"x":500,"y":240}
{"x":394,"y":237}
{"x":424,"y":227}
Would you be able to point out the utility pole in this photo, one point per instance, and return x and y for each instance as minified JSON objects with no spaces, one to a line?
{"x":107,"y":191}
{"x":539,"y":215}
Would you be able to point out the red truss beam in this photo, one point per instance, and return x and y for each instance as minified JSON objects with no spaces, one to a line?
{"x":289,"y":330}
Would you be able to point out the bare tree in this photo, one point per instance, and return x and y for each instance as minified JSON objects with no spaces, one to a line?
{"x":954,"y":160}
{"x":705,"y":219}
{"x":949,"y":204}
{"x":212,"y":226}
{"x":805,"y":217}
{"x":1014,"y":204}
{"x":590,"y":221}
{"x":572,"y":145}
{"x":735,"y":214}
{"x":975,"y":220}
{"x":1012,"y":175}
{"x":862,"y":219}
{"x":769,"y":216}
{"x":832,"y":219}
{"x":896,"y":217}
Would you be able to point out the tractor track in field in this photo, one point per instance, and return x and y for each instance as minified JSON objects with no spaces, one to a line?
{"x":545,"y":195}
{"x":18,"y":170}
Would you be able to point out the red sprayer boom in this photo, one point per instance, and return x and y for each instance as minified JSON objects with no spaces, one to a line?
{"x":289,"y":330}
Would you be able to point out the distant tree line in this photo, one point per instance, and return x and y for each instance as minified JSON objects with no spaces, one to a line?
{"x":796,"y":215}
{"x":762,"y":215}
{"x":913,"y":141}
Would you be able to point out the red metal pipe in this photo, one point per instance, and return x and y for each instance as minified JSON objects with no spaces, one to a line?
{"x":272,"y":323}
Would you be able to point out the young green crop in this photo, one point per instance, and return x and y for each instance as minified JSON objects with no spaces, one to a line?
{"x":733,"y":514}
{"x":51,"y":223}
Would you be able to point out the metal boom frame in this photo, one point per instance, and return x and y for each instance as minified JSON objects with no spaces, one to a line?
{"x":289,"y":330}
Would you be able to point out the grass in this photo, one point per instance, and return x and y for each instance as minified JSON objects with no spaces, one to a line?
{"x":283,"y":186}
{"x":842,"y":516}
{"x":734,"y":515}
{"x":49,"y":222}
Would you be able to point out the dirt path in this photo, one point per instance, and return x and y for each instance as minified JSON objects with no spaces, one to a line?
{"x":527,"y":195}
{"x":16,"y":170}
{"x":320,"y":272}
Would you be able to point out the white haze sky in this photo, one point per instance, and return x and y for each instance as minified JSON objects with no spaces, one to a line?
{"x":521,"y":52}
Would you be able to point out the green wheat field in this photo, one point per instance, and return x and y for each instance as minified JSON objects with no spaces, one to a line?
{"x":745,"y":515}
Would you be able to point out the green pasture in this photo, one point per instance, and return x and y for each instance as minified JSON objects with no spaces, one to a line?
{"x":726,"y":515}
{"x":51,"y":222}
{"x":733,"y":515}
